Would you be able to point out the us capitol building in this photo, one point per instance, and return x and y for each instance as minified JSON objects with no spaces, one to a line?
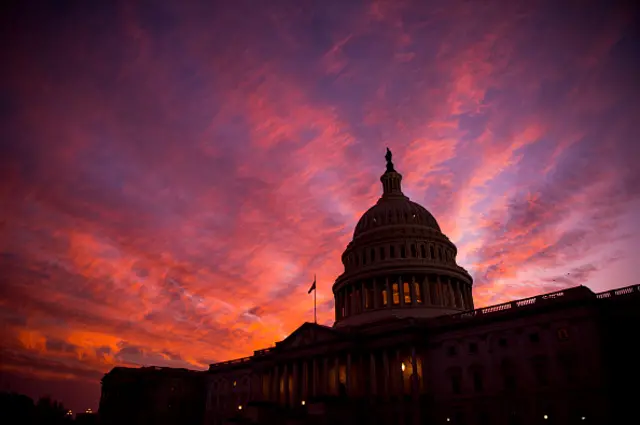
{"x":409,"y":347}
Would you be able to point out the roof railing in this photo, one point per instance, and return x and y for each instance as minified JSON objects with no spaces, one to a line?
{"x":618,"y":292}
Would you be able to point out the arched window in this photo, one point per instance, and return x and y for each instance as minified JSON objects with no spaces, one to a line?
{"x":508,"y":375}
{"x":414,"y":253}
{"x":455,"y":379}
{"x":392,"y":251}
{"x":540,"y":366}
{"x":416,"y":290}
{"x":403,"y":251}
{"x":478,"y":381}
{"x":433,"y":255}
{"x":423,"y":251}
{"x":396,"y":293}
{"x":439,"y":253}
{"x":382,"y":253}
{"x":364,"y":257}
{"x":407,"y":293}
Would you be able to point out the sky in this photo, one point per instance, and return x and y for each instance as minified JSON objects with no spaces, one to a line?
{"x":172,"y":174}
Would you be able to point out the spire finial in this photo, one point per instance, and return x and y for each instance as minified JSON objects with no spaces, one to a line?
{"x":389,"y":163}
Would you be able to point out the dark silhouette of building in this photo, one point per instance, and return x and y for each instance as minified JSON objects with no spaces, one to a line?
{"x":152,"y":395}
{"x":408,"y":347}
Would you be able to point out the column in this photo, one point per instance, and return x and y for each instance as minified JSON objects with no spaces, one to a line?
{"x":385,"y":365}
{"x":305,"y":380}
{"x":415,"y":389}
{"x":415,"y":377}
{"x":412,"y":290}
{"x":337,"y":374}
{"x":295,"y":386}
{"x":401,"y":290}
{"x":376,"y":295}
{"x":348,"y":380}
{"x":456,"y":288}
{"x":347,"y":301}
{"x":399,"y":366}
{"x":274,"y":385}
{"x":325,"y":377}
{"x":426,"y":293}
{"x":314,"y":378}
{"x":442,"y":300}
{"x":372,"y":372}
{"x":285,"y":378}
{"x":363,"y":288}
{"x":470,"y":292}
{"x":451,"y":291}
{"x":389,"y":295}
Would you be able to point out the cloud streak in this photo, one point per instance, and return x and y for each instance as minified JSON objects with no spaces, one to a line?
{"x":173,"y":175}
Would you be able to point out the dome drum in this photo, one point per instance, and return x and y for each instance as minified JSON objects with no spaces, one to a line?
{"x":411,"y":294}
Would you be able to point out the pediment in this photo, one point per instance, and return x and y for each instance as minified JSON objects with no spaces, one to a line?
{"x":308,"y":334}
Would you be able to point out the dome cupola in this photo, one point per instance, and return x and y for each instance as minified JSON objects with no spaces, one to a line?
{"x":399,"y":263}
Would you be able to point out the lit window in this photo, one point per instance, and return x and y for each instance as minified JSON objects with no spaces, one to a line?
{"x":403,"y":366}
{"x":407,"y":293}
{"x":367,"y":297}
{"x":416,"y":289}
{"x":235,"y":383}
{"x":385,"y":298}
{"x":396,"y":294}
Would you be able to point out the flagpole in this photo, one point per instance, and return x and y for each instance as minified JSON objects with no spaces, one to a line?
{"x":315,"y":317}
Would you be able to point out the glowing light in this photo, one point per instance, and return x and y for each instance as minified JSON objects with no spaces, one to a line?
{"x":235,"y":383}
{"x":403,"y":366}
{"x":448,"y":420}
{"x":546,"y":417}
{"x":583,"y":418}
{"x":240,"y":407}
{"x":303,"y":402}
{"x":69,"y":413}
{"x":88,"y":411}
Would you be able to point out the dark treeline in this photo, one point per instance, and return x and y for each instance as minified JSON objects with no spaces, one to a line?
{"x":20,"y":409}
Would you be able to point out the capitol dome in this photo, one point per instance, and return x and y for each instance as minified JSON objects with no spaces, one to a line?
{"x":399,"y":263}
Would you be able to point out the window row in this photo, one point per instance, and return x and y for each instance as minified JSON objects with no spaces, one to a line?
{"x":371,"y":255}
{"x":509,"y":377}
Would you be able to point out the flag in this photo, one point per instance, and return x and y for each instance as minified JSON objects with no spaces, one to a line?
{"x":313,"y":286}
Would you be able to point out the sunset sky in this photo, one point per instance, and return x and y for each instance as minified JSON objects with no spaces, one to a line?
{"x":172,"y":174}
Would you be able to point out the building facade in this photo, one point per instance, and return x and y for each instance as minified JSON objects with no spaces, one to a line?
{"x":408,"y":346}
